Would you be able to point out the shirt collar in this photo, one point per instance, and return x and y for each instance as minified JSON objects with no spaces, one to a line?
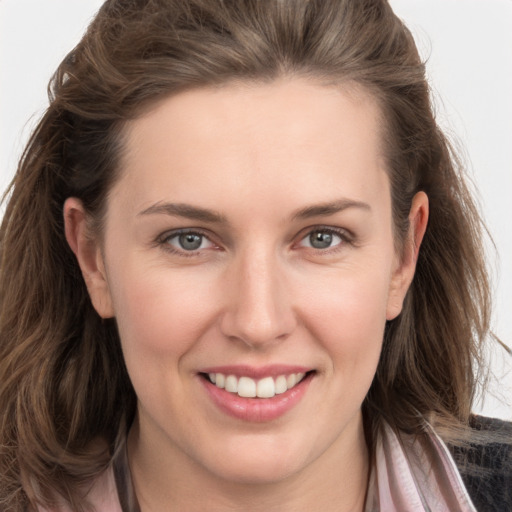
{"x":415,"y":473}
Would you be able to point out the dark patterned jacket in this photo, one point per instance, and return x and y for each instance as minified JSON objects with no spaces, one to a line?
{"x":491,"y":492}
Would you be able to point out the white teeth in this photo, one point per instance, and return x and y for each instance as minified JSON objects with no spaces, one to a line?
{"x":231,"y":384}
{"x":220,"y":380}
{"x":266,"y":388}
{"x":291,"y":380}
{"x":281,"y":385}
{"x":247,"y":387}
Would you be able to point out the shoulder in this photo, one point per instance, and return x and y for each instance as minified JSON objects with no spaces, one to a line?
{"x":486,"y":464}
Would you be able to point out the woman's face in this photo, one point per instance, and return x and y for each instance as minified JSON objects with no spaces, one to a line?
{"x":249,"y":242}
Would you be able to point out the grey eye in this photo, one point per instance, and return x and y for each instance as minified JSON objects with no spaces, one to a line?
{"x":190,"y":241}
{"x":321,"y":239}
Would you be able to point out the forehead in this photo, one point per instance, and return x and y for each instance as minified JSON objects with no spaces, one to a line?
{"x":250,"y":137}
{"x":293,"y":102}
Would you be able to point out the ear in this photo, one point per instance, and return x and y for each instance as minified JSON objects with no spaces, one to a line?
{"x":88,"y":253}
{"x":404,"y":273}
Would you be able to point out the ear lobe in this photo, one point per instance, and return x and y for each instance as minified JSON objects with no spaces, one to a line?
{"x":88,"y":253}
{"x":403,"y":276}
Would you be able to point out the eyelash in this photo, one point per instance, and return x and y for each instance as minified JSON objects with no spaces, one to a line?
{"x":345,"y":236}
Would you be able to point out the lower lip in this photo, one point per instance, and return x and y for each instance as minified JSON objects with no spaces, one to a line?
{"x":257,"y":410}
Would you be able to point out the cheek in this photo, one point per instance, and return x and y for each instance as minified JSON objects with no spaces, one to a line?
{"x":346,"y":312}
{"x":161,"y":318}
{"x":161,"y":312}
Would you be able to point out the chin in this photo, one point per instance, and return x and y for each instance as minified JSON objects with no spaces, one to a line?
{"x":256,"y":474}
{"x":257,"y":466}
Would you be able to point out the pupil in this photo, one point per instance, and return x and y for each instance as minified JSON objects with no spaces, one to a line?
{"x":190,"y":242}
{"x":320,"y":239}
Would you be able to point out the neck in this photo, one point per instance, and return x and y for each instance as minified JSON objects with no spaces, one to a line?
{"x":169,"y":481}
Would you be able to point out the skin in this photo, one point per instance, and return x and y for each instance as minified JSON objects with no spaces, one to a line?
{"x":256,"y":292}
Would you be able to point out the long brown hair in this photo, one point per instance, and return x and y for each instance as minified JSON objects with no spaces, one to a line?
{"x":63,"y":380}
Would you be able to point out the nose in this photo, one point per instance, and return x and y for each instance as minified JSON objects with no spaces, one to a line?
{"x":259,"y":310}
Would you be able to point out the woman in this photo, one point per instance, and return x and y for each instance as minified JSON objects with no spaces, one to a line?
{"x":239,"y":257}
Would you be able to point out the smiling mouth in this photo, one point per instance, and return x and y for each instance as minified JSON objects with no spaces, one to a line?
{"x":256,"y":394}
{"x":247,"y":387}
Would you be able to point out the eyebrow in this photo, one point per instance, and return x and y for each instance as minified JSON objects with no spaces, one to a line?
{"x":185,"y":210}
{"x":325,"y":209}
{"x":205,"y":215}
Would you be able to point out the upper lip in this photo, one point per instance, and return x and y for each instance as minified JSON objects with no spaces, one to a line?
{"x":274,"y":370}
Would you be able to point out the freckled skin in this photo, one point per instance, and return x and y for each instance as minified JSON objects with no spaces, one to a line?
{"x":255,"y":292}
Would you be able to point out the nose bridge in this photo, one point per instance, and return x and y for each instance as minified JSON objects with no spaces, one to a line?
{"x":259,"y":311}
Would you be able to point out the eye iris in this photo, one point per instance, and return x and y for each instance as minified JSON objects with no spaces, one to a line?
{"x":320,"y":239}
{"x":190,"y":241}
